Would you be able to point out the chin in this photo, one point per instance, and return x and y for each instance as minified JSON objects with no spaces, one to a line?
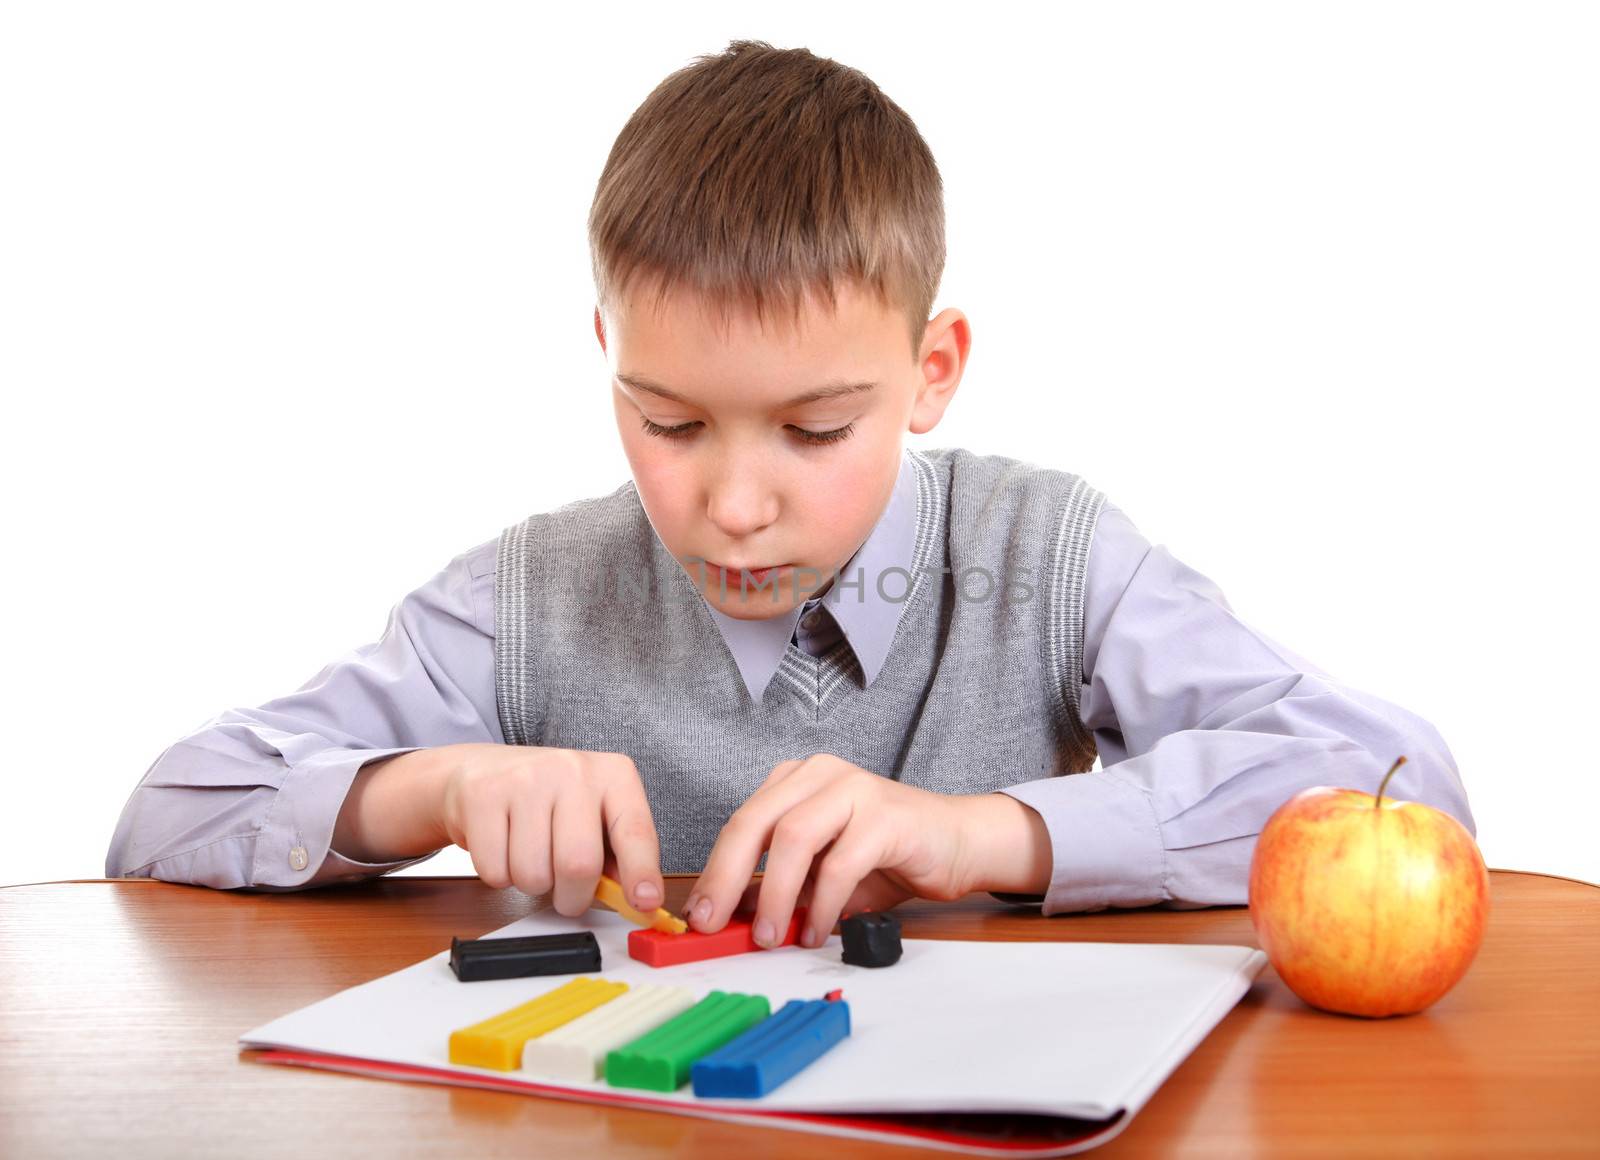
{"x":758,"y":606}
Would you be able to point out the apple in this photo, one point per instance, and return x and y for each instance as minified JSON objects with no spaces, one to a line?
{"x":1367,"y":906}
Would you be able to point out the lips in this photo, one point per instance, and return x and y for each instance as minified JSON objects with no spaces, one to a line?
{"x":732,"y":572}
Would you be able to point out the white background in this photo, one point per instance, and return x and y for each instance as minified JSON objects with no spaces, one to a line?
{"x":295,"y":306}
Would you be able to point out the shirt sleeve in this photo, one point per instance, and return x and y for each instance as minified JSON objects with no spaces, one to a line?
{"x":1205,"y":726}
{"x":249,"y":799}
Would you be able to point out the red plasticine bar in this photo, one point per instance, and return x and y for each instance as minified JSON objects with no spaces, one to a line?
{"x":658,"y":948}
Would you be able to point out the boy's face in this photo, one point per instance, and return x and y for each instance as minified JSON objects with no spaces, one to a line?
{"x":741,"y":483}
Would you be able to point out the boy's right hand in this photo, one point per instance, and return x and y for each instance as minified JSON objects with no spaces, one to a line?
{"x":544,"y":819}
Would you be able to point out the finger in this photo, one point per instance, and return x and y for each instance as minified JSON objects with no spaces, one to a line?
{"x":577,"y":851}
{"x":780,"y":771}
{"x":487,"y":829}
{"x":631,"y":836}
{"x":529,"y":852}
{"x":739,"y":846}
{"x":856,"y":853}
{"x":745,"y":906}
{"x":875,"y":892}
{"x":799,"y":836}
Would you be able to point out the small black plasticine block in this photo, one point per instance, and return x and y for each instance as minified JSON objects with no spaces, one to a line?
{"x":871,"y":939}
{"x":474,"y":960}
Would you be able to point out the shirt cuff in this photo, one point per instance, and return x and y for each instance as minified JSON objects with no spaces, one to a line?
{"x":1105,"y":841}
{"x":293,"y":847}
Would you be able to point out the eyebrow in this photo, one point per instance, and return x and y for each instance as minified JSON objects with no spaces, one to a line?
{"x":826,"y":391}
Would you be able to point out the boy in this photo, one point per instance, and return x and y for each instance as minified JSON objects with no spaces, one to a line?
{"x":887,"y":670}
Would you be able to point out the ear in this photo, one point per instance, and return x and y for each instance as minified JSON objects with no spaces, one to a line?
{"x":600,"y":329}
{"x":945,"y":346}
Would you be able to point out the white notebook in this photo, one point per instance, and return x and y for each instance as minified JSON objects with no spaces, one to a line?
{"x":959,"y":1044}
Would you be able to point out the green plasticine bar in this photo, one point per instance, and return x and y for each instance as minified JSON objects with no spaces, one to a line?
{"x":659,"y":1060}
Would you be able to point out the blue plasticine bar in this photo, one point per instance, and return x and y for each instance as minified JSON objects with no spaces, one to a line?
{"x":773,"y":1050}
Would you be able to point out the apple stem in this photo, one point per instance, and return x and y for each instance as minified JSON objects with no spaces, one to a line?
{"x":1385,"y":783}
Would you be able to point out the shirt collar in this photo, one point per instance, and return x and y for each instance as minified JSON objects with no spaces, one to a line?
{"x":865,"y":616}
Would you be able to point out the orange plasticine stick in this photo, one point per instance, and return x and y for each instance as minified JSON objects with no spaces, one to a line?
{"x":609,"y":893}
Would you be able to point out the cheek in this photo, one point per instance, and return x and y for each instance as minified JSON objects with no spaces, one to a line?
{"x":840,"y":499}
{"x":825,"y":496}
{"x":665,"y":489}
{"x":649,"y":461}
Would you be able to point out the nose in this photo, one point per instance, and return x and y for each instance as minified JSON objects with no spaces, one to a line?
{"x":741,"y":499}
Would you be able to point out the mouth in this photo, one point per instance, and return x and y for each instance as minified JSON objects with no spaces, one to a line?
{"x":731,"y":574}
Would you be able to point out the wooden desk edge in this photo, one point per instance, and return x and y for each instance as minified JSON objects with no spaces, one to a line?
{"x":464,"y":877}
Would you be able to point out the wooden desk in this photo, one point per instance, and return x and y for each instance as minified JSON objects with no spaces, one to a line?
{"x":121,"y":1002}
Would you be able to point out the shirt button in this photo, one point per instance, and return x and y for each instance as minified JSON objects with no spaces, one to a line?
{"x":298,"y":859}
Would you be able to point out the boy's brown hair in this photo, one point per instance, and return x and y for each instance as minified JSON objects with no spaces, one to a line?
{"x":758,"y":175}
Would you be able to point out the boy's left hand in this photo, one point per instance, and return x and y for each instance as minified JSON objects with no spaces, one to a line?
{"x":854,"y":841}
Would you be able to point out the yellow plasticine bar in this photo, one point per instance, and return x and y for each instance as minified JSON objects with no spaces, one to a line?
{"x":497,"y":1042}
{"x":609,"y":891}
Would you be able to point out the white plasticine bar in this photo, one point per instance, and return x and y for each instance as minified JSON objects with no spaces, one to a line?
{"x":576,"y":1051}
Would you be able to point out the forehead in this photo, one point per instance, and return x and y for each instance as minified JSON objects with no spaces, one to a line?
{"x":685,"y":323}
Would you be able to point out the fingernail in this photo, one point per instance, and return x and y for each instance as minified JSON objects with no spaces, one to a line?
{"x":809,"y":938}
{"x":702,"y":911}
{"x":646,"y":894}
{"x":764,"y":934}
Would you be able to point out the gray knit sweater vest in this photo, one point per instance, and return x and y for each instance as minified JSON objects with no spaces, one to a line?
{"x":603,"y":643}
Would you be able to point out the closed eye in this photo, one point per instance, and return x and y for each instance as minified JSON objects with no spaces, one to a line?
{"x":684,"y":430}
{"x":677,"y":432}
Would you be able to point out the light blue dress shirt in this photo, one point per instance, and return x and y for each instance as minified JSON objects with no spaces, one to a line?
{"x":1204,"y":725}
